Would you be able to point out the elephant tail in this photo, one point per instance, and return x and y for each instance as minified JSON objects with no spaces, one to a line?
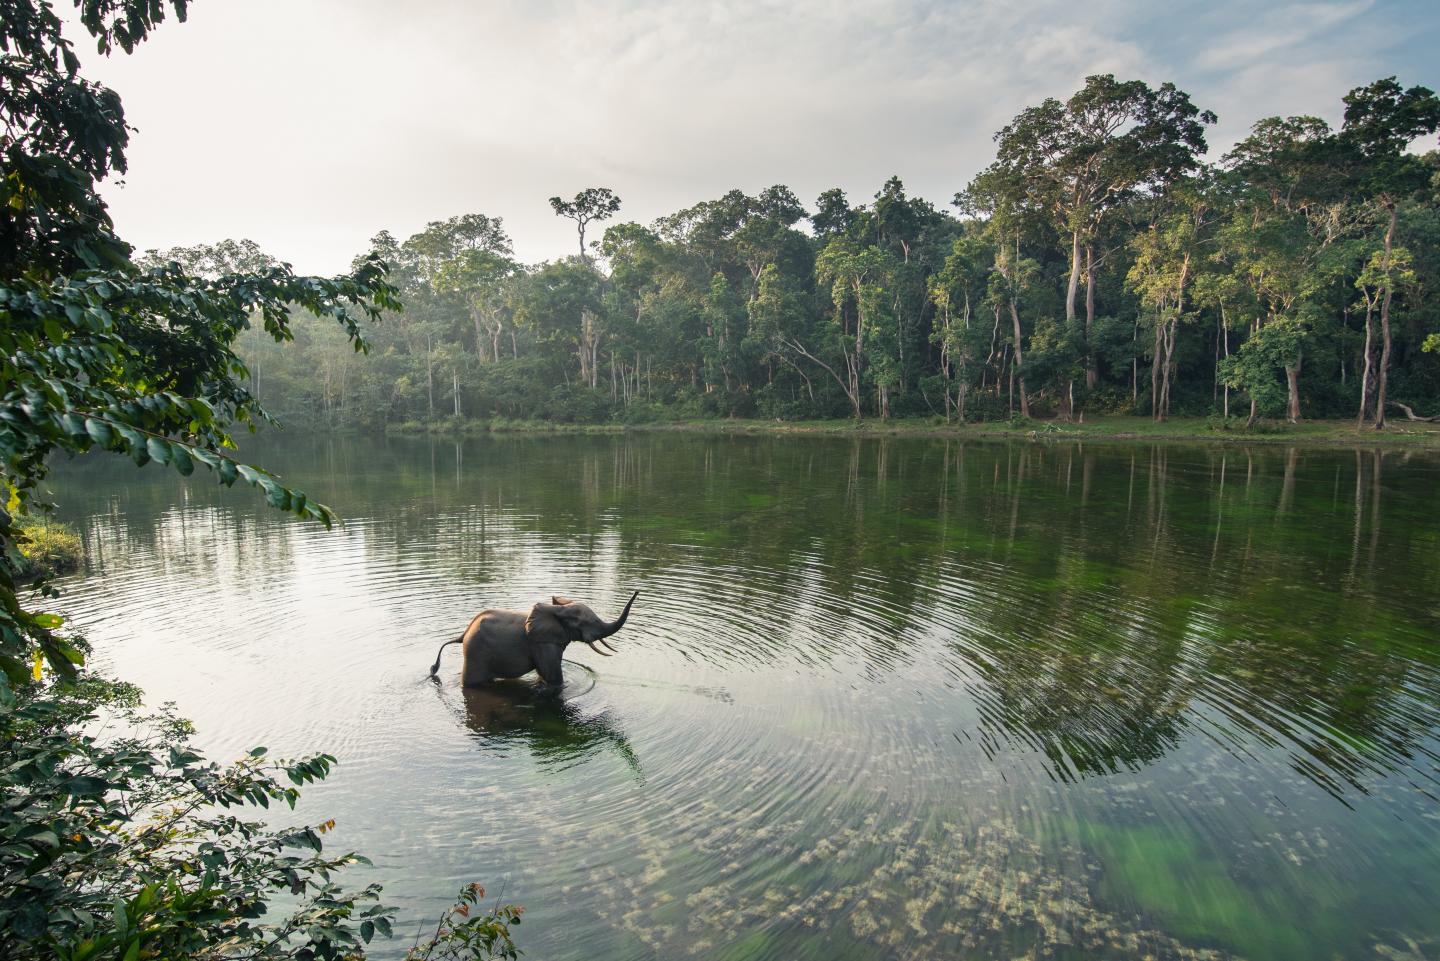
{"x":435,"y":668}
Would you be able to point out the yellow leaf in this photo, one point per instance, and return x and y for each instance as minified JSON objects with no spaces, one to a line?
{"x":37,"y":669}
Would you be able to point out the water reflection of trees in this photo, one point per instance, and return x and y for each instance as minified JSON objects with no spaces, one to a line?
{"x":1099,"y":602}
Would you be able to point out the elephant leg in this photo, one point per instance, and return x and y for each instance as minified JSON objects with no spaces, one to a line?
{"x":547,"y":663}
{"x":477,"y":670}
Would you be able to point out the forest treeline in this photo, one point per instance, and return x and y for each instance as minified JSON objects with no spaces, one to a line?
{"x":1099,"y":264}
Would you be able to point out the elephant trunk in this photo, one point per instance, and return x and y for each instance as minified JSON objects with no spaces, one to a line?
{"x":619,"y":622}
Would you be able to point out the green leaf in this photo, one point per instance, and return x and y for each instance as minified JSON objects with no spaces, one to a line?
{"x":158,"y":449}
{"x":85,"y":784}
{"x":275,"y":495}
{"x":99,"y":431}
{"x":180,"y":460}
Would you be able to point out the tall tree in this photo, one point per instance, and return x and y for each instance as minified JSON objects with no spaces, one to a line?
{"x":1081,"y":159}
{"x":957,"y":290}
{"x":1166,"y":261}
{"x":1381,"y":121}
{"x":833,"y":214}
{"x":999,"y":196}
{"x":1283,"y":202}
{"x":590,"y":205}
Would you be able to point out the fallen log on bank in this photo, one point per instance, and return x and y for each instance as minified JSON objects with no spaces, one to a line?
{"x":1414,"y":416}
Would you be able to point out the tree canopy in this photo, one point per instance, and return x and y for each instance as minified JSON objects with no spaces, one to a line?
{"x":1258,"y":284}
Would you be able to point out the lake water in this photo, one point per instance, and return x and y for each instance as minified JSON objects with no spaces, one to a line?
{"x":879,"y":698}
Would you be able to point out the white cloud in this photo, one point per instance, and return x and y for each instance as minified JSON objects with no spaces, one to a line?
{"x":311,"y":126}
{"x":1274,"y":31}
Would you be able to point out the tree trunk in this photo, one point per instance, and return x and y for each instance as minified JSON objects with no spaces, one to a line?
{"x":1074,"y":286}
{"x":1172,"y":331}
{"x":1019,"y":372}
{"x":1225,"y":333}
{"x":1292,"y":385}
{"x":1168,"y":367}
{"x":848,"y":384}
{"x":1134,"y":365}
{"x":1384,"y":372}
{"x":1155,"y":355}
{"x":1092,"y":370}
{"x":1410,"y":413}
{"x":1215,"y":375}
{"x":1367,"y":375}
{"x":945,"y":368}
{"x":429,"y":382}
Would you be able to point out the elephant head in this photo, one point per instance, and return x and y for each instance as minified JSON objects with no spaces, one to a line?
{"x":564,"y":621}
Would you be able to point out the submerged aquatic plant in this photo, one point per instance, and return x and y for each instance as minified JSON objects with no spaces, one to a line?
{"x":978,"y":889}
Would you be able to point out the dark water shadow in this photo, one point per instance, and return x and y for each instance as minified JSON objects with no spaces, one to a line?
{"x":550,"y":725}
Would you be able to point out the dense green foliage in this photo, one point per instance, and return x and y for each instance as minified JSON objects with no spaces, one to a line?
{"x":1099,"y":264}
{"x":129,"y":845}
{"x":126,"y":846}
{"x":110,"y":848}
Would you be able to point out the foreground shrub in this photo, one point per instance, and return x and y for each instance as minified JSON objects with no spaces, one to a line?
{"x":132,"y":845}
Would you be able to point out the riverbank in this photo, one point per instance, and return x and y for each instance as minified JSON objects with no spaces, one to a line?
{"x":47,"y":548}
{"x":1330,"y":433}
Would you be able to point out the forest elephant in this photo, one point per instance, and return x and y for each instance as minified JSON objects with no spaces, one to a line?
{"x":505,"y":644}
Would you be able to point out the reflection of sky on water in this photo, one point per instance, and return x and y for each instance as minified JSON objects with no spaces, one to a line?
{"x":951,"y":697}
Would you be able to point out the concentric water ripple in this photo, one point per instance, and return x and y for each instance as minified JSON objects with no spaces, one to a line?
{"x":916,"y":699}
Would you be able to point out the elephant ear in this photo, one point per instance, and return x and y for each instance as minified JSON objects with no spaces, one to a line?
{"x":542,"y":626}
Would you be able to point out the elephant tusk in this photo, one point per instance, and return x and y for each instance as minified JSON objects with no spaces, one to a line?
{"x":596,"y":649}
{"x":607,"y":645}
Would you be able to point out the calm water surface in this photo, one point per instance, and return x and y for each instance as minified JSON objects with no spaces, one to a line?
{"x":878,"y":699}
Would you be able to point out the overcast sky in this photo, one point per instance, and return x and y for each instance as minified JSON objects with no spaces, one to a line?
{"x":309,"y":125}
